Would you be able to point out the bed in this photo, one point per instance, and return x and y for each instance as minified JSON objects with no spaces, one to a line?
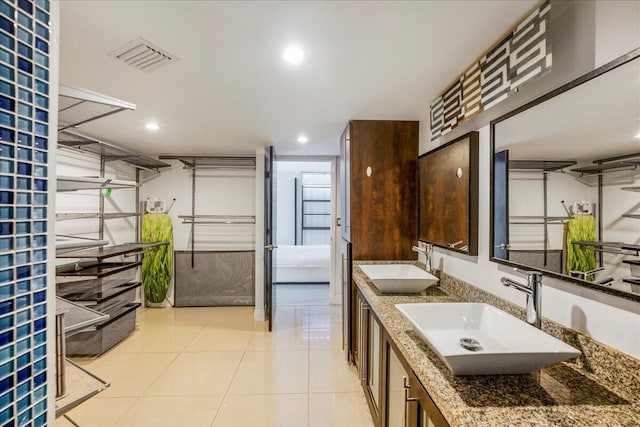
{"x":302,"y":264}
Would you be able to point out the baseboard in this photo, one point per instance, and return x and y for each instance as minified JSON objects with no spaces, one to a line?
{"x":258,"y":315}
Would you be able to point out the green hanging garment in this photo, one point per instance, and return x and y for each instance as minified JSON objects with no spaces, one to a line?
{"x":581,"y":258}
{"x":157,"y":268}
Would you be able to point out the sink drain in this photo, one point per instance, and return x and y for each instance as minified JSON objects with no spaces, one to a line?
{"x":470,"y":344}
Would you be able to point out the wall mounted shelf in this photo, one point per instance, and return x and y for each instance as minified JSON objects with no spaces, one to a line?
{"x":636,"y":216}
{"x":112,"y":251}
{"x":71,"y":243}
{"x":107,"y":151}
{"x":214,"y":162}
{"x":635,"y":189}
{"x":68,"y":216}
{"x":218,"y":219}
{"x":601,"y":168}
{"x":78,"y":183}
{"x":77,"y":106}
{"x":611,"y":247}
{"x":540,"y":165}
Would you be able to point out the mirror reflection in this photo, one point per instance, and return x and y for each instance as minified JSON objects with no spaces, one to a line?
{"x":566,"y":183}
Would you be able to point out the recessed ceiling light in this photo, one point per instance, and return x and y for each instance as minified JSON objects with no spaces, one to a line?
{"x":152,"y":126}
{"x":303,"y":139}
{"x":637,"y":135}
{"x":293,"y":55}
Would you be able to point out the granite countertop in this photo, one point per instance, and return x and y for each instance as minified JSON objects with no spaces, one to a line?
{"x":565,"y":394}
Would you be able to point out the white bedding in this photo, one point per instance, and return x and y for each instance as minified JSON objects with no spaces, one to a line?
{"x":302,"y":263}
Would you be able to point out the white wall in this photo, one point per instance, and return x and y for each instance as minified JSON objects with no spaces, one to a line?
{"x":286,"y":172}
{"x":218,"y":192}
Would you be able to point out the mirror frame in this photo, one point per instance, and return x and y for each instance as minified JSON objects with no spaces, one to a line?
{"x":634,"y":54}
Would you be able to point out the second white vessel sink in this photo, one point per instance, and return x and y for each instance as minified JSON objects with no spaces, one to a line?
{"x":479,"y":339}
{"x":398,"y":278}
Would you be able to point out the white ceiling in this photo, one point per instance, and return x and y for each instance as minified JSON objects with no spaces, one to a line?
{"x":230,"y":92}
{"x":596,"y":120}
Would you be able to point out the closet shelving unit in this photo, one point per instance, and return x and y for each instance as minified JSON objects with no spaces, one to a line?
{"x":308,"y":212}
{"x":195,"y":163}
{"x":81,"y":258}
{"x":87,"y":279}
{"x":628,"y":165}
{"x":544,"y":167}
{"x":204,"y":277}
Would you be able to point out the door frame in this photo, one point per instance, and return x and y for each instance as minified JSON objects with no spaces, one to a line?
{"x":335,"y":272}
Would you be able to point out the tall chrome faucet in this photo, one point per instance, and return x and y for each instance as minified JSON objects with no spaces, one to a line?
{"x":534,"y":295}
{"x":427,"y":251}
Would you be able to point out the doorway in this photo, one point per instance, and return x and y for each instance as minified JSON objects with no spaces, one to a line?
{"x":305,"y":217}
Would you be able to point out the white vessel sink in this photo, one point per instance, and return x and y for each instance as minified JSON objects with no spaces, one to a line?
{"x":496,"y":342}
{"x":398,"y":278}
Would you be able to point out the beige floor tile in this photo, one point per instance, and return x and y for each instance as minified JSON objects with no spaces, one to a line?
{"x":89,"y":363}
{"x":338,"y":409}
{"x":302,"y":294}
{"x":200,"y":373}
{"x":263,"y":410}
{"x":101,"y":412}
{"x":288,"y":332}
{"x":292,"y":339}
{"x":213,"y":338}
{"x":329,"y":372}
{"x":323,"y":332}
{"x":130,"y":374}
{"x":272,"y":372}
{"x":159,"y":339}
{"x":63,"y":422}
{"x":192,"y":411}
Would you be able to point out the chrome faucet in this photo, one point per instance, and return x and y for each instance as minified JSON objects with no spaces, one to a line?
{"x":428,"y":253}
{"x":534,"y":295}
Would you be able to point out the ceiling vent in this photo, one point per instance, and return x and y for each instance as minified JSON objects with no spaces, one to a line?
{"x":143,"y":55}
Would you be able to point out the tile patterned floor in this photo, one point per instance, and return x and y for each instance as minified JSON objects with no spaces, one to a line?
{"x":215,"y":366}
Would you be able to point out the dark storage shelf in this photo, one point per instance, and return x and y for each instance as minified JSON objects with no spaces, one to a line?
{"x":77,"y":317}
{"x":540,"y":165}
{"x":98,"y":297}
{"x":111,"y":251}
{"x":100,"y":270}
{"x":118,"y":314}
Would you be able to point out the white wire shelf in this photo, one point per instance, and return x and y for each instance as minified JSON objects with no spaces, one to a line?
{"x":218,"y":219}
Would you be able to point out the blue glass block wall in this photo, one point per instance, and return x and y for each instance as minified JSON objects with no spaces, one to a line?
{"x":24,"y":122}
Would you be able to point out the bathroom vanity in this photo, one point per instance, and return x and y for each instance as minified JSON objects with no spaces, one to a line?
{"x":406,"y":384}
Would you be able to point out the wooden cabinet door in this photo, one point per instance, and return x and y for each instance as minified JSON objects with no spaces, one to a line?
{"x":397,"y":377}
{"x":448,"y":195}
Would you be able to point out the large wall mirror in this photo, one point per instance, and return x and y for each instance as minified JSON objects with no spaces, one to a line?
{"x":565,"y":191}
